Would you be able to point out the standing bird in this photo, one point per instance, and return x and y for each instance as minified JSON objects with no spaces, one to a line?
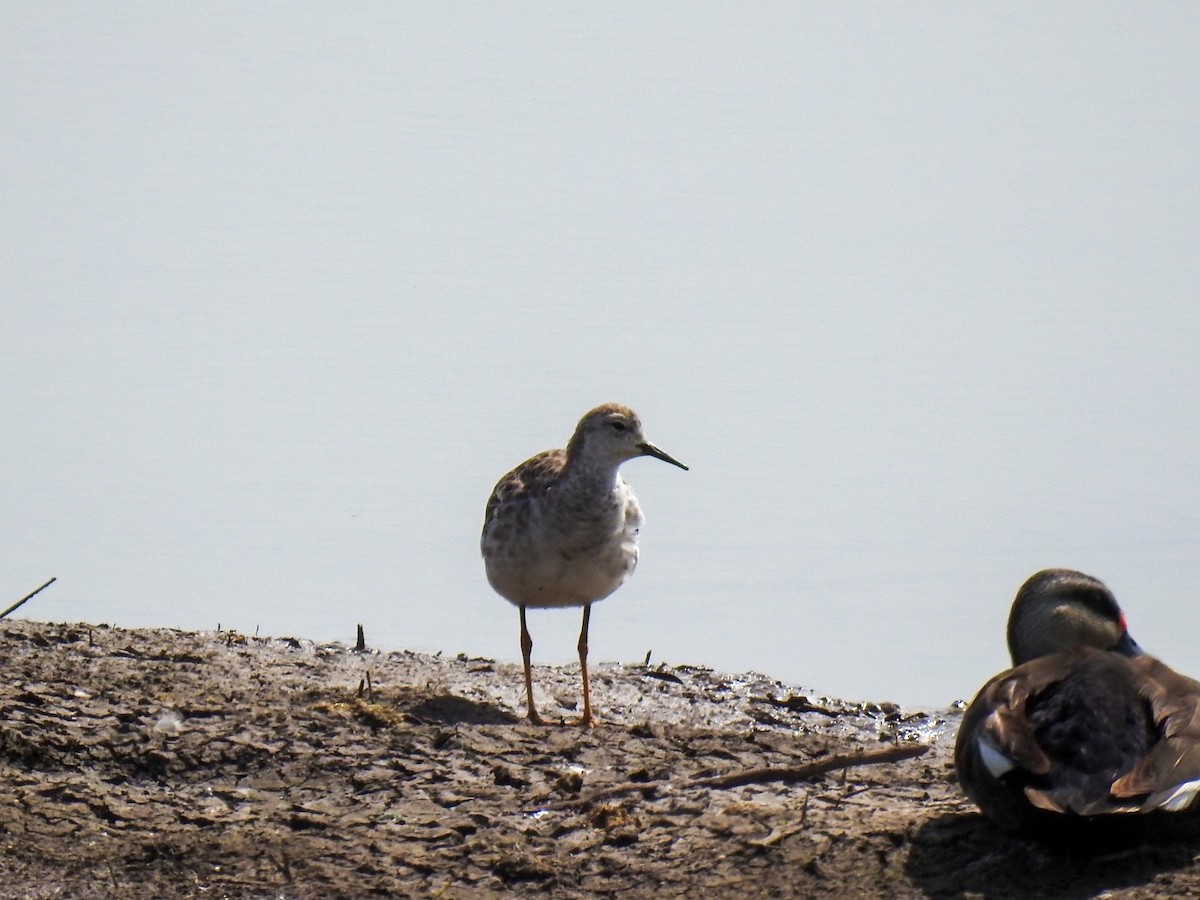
{"x":561,"y":529}
{"x":1085,"y":731}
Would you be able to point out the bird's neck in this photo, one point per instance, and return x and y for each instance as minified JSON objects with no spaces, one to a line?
{"x":600,"y":477}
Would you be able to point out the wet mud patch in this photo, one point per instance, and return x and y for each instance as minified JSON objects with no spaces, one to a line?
{"x":160,"y":763}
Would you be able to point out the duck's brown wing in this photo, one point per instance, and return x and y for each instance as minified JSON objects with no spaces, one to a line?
{"x":996,"y":734}
{"x":1000,"y":735}
{"x":1169,"y":775}
{"x":1001,"y":711}
{"x":996,"y":737}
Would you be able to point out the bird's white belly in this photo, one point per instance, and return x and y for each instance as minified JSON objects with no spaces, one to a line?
{"x":565,"y":553}
{"x":545,"y":567}
{"x":555,"y":577}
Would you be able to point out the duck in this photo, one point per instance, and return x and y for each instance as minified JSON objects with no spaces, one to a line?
{"x":1086,"y":732}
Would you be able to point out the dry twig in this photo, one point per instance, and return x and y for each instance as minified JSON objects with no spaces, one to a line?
{"x":762,"y":775}
{"x":843,"y":761}
{"x":16,"y":605}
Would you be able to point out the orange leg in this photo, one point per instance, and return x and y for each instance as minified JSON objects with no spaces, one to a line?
{"x":526,"y":651}
{"x":587,"y":720}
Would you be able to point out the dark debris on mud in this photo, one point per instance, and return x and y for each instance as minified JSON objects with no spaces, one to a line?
{"x":160,"y":763}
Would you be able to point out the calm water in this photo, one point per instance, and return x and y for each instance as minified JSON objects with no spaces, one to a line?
{"x":286,"y":290}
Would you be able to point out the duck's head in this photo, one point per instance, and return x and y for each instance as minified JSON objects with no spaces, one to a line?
{"x":1058,"y":609}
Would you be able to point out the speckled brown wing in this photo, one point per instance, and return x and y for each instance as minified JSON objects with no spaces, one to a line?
{"x":530,"y":479}
{"x":1169,"y":775}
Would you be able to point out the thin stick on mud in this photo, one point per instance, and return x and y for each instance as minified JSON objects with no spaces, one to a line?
{"x":842,"y":761}
{"x":18,"y":604}
{"x":365,"y":689}
{"x":762,"y":775}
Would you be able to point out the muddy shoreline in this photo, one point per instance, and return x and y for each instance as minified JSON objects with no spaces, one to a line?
{"x":163,"y":763}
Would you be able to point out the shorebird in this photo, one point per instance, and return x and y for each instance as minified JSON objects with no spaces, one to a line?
{"x":561,"y":529}
{"x":1086,"y":731}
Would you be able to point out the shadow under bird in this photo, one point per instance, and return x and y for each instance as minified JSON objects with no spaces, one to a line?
{"x":1086,"y":736}
{"x":561,"y":529}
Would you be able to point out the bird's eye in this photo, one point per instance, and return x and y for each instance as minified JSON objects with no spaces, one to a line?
{"x":618,"y":425}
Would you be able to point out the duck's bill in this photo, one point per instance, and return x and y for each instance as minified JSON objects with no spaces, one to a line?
{"x":1128,"y":646}
{"x":649,"y":449}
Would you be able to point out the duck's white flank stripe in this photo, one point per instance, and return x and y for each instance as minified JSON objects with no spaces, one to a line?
{"x":1180,"y":796}
{"x":995,"y":761}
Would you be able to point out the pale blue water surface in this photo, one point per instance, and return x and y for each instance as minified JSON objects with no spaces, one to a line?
{"x":912,"y":290}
